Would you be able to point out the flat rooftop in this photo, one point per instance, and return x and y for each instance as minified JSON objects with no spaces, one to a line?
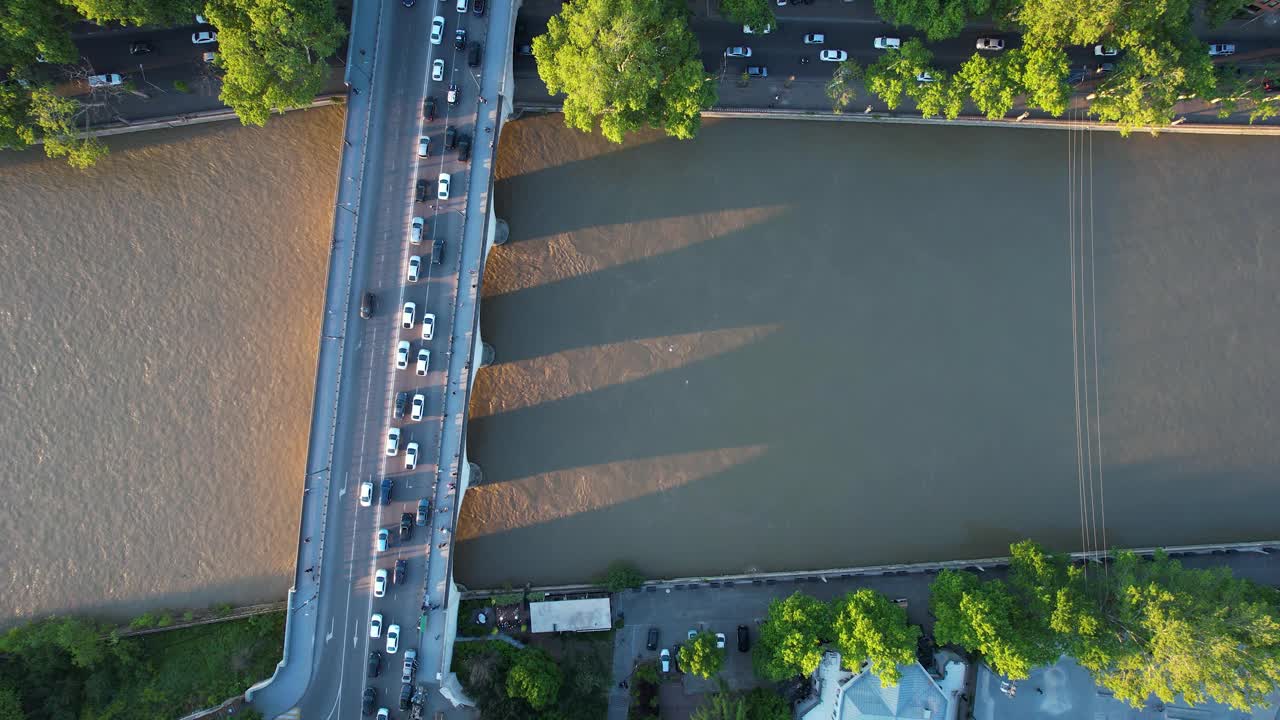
{"x":570,"y":615}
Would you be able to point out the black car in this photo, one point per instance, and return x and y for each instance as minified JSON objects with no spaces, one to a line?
{"x":473,"y":54}
{"x":424,"y":512}
{"x":460,"y":39}
{"x":464,"y":148}
{"x":406,"y":696}
{"x":450,"y":137}
{"x":429,"y":108}
{"x":397,"y":575}
{"x":744,"y":638}
{"x":652,"y":644}
{"x":526,"y":50}
{"x":406,"y":527}
{"x":367,"y":305}
{"x":141,"y":47}
{"x":408,"y":3}
{"x":370,"y":700}
{"x":375,"y":663}
{"x":387,"y":486}
{"x":402,"y":399}
{"x":437,"y":251}
{"x":477,"y":7}
{"x":420,"y":190}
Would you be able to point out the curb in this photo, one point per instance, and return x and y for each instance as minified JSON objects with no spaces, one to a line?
{"x":196,"y":118}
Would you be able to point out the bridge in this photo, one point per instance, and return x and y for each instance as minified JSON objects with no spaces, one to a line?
{"x":392,"y":68}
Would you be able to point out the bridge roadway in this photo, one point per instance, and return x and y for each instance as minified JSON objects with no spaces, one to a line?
{"x":327,"y":643}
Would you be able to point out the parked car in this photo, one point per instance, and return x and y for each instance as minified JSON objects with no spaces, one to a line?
{"x":424,"y":357}
{"x":814,"y":39}
{"x":424,"y":146}
{"x":747,"y":29}
{"x":924,"y":77}
{"x":402,"y":355}
{"x":442,"y":186}
{"x":720,"y":640}
{"x":411,"y":456}
{"x":368,"y":701}
{"x":416,"y":226}
{"x":424,"y":512}
{"x":744,"y":639}
{"x":366,"y":493}
{"x":393,"y":639}
{"x":380,"y":583}
{"x":385,"y":490}
{"x":204,"y":37}
{"x":428,"y":325}
{"x":410,"y":666}
{"x":652,"y":643}
{"x":384,"y":539}
{"x":1105,"y":51}
{"x":397,"y":575}
{"x":1105,"y":68}
{"x":406,"y":527}
{"x":989,"y":43}
{"x":429,"y":108}
{"x":437,"y":30}
{"x":402,"y":399}
{"x":415,"y":267}
{"x":525,"y":50}
{"x":473,"y":54}
{"x":757,"y":71}
{"x":738,"y":51}
{"x":406,"y":698}
{"x":887,"y":43}
{"x":437,"y":251}
{"x":833,"y":56}
{"x":437,"y":70}
{"x":460,"y":39}
{"x":665,"y":658}
{"x":393,"y":442}
{"x":106,"y":80}
{"x":464,"y":148}
{"x":1221,"y":49}
{"x":450,"y":137}
{"x":140,"y":47}
{"x":420,"y":190}
{"x":375,"y":625}
{"x":374,"y":666}
{"x":406,"y":316}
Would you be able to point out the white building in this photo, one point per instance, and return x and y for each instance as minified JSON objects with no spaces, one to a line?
{"x":843,"y":695}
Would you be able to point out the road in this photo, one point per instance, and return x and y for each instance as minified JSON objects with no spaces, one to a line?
{"x":396,"y":85}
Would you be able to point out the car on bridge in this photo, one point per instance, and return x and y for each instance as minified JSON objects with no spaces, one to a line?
{"x":366,"y":493}
{"x":384,"y":498}
{"x":420,"y":190}
{"x":397,"y":575}
{"x":437,"y":70}
{"x":375,"y":663}
{"x":437,"y":30}
{"x":383,"y":714}
{"x":411,"y":456}
{"x":473,"y":55}
{"x":406,"y":527}
{"x":402,"y":355}
{"x":428,"y":325}
{"x":429,"y":108}
{"x":370,"y":699}
{"x":375,"y":625}
{"x":424,"y":512}
{"x":477,"y":8}
{"x":424,"y":358}
{"x":464,"y":148}
{"x":460,"y":39}
{"x":393,"y":442}
{"x":402,"y":399}
{"x":410,"y":666}
{"x":380,"y":583}
{"x":442,"y":186}
{"x":393,"y":639}
{"x":437,"y":251}
{"x":415,"y":265}
{"x":416,"y":226}
{"x":384,"y":539}
{"x":453,"y":96}
{"x":367,"y":305}
{"x":406,"y":317}
{"x":887,"y":43}
{"x":450,"y":137}
{"x":424,"y":146}
{"x":419,"y":404}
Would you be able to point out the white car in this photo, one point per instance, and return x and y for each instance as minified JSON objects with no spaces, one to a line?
{"x":383,"y":714}
{"x":107,"y":80}
{"x":461,"y":6}
{"x":415,"y":230}
{"x":814,"y":39}
{"x":380,"y":583}
{"x":415,"y":267}
{"x":990,"y":44}
{"x":366,"y":494}
{"x":720,"y":640}
{"x":406,"y":317}
{"x":1105,"y":51}
{"x":424,"y":146}
{"x":375,"y":625}
{"x":887,"y":43}
{"x":924,"y":77}
{"x":402,"y":355}
{"x":419,"y":405}
{"x":1220,"y":49}
{"x":750,"y":31}
{"x":393,"y":442}
{"x":204,"y":37}
{"x":424,"y":358}
{"x":437,"y":30}
{"x":442,"y":186}
{"x":428,"y":325}
{"x":437,"y":70}
{"x":201,"y":20}
{"x":411,"y":456}
{"x":738,"y":51}
{"x":665,"y":657}
{"x":393,"y":639}
{"x":833,"y":56}
{"x":384,"y":537}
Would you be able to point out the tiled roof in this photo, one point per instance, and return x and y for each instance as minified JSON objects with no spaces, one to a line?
{"x":915,"y":697}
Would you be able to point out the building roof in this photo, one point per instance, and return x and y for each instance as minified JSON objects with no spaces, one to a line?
{"x":570,"y":615}
{"x":915,"y":697}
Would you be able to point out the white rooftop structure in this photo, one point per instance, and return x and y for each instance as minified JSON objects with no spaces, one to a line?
{"x":570,"y":615}
{"x":917,"y":696}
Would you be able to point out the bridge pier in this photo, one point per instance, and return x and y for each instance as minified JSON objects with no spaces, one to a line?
{"x":487,"y":354}
{"x":477,"y":475}
{"x":502,"y":231}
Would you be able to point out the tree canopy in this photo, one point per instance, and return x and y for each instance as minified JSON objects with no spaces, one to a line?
{"x":273,"y":53}
{"x":139,"y":12}
{"x":939,"y":19}
{"x":534,"y":677}
{"x":624,"y":65}
{"x":622,"y":575}
{"x":791,"y":638}
{"x":700,"y":656}
{"x":868,"y":625}
{"x":756,"y":14}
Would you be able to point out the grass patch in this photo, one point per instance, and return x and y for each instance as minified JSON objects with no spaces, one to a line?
{"x":583,"y":660}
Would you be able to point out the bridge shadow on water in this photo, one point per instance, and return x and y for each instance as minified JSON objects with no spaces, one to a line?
{"x":761,"y":350}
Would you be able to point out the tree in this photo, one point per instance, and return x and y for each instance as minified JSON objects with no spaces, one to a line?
{"x":624,"y":65}
{"x":940,"y":19}
{"x":622,"y":575}
{"x":992,"y":82}
{"x":700,"y":655}
{"x":273,"y":53}
{"x":16,"y":129}
{"x":1044,"y":77}
{"x":10,"y":705}
{"x":723,"y":705}
{"x":55,"y":117}
{"x":792,"y":637}
{"x":139,"y":12}
{"x":1217,"y":12}
{"x":989,"y":618}
{"x":756,"y":14}
{"x":894,"y":74}
{"x":867,"y":625}
{"x":1150,"y":80}
{"x":1236,"y":88}
{"x":841,"y":88}
{"x":765,"y":705}
{"x":31,"y":29}
{"x":944,"y":96}
{"x":534,"y":677}
{"x":1202,"y":634}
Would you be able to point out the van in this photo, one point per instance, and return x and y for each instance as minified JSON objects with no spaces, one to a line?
{"x":107,"y":80}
